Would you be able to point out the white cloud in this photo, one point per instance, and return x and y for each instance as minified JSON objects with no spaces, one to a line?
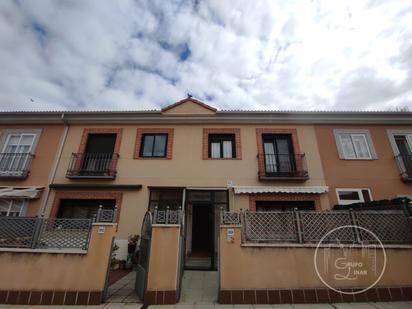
{"x":240,"y":54}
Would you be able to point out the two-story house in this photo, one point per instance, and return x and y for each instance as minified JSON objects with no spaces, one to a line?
{"x":193,"y":156}
{"x":187,"y":155}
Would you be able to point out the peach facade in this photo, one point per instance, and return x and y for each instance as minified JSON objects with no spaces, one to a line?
{"x":186,"y":168}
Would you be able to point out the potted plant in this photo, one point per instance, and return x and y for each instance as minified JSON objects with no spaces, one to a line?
{"x":114,"y":263}
{"x":131,"y":246}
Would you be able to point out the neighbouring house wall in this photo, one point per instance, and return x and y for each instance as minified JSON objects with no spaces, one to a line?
{"x":163,"y":265}
{"x":244,"y":268}
{"x":42,"y":163}
{"x":64,"y":277}
{"x":382,"y":175}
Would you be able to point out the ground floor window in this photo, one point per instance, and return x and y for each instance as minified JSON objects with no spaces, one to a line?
{"x":83,"y":208}
{"x":350,"y":196}
{"x":12,"y":207}
{"x":284,"y":205}
{"x":163,"y":197}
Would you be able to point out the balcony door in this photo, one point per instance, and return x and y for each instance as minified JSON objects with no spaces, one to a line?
{"x":279,"y":155}
{"x":404,"y":144}
{"x":15,"y":152}
{"x":98,"y":154}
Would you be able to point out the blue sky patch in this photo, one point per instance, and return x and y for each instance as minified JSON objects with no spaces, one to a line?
{"x":185,"y":52}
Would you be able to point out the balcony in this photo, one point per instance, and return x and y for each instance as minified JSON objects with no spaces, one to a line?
{"x":15,"y":165}
{"x":282,"y":167}
{"x":93,"y":165}
{"x":405,"y":166}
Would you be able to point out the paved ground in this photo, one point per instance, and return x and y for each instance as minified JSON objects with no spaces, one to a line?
{"x":122,"y":291}
{"x":199,"y":287}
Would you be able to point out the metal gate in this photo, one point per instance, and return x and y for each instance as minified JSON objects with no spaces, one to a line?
{"x":144,"y":255}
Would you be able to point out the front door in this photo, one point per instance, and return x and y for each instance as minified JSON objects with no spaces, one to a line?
{"x":202,"y":231}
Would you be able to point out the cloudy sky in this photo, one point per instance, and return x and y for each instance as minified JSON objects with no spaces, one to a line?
{"x":287,"y":55}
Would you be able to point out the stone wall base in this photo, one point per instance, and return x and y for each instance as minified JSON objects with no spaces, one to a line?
{"x":34,"y":297}
{"x":159,"y":297}
{"x":320,"y":295}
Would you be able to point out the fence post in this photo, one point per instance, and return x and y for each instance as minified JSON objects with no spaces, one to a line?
{"x":221,"y":215}
{"x":242,"y":221}
{"x":115,"y":214}
{"x":99,"y":213}
{"x":167,"y":214}
{"x":179,"y":215}
{"x":155,"y":215}
{"x":298,"y":226}
{"x":406,"y":210}
{"x":37,"y":231}
{"x":354,"y":222}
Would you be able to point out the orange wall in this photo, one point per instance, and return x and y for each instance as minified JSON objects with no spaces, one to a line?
{"x":59,"y":271}
{"x":248,"y":268}
{"x":164,"y":257}
{"x":42,"y":162}
{"x":380,"y":175}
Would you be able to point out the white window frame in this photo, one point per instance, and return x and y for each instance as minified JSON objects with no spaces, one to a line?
{"x":23,"y":207}
{"x":392,"y":133}
{"x":6,"y":135}
{"x":355,"y":132}
{"x":348,"y":202}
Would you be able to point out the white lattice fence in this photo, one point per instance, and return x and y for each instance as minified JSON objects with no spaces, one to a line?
{"x":270,"y":227}
{"x":315,"y":225}
{"x":391,"y":227}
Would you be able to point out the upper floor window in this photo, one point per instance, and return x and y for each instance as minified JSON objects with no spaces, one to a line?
{"x":98,"y":154}
{"x":221,"y":143}
{"x":12,"y":208}
{"x":278,"y":152}
{"x":16,"y":152}
{"x":350,"y":196}
{"x":222,"y":146}
{"x":153,"y":145}
{"x":354,"y":144}
{"x":401,"y":141}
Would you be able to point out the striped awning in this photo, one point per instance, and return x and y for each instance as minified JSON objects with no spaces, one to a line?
{"x":20,"y":193}
{"x":276,"y":189}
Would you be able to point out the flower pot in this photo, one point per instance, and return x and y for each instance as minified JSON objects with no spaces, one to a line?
{"x":131,"y":248}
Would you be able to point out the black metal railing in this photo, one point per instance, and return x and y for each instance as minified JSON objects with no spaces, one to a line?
{"x":106,"y":215}
{"x":15,"y":164}
{"x":283,"y":165}
{"x":99,"y":165}
{"x":405,"y":165}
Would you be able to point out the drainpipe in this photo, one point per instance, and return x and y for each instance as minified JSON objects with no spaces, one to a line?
{"x":56,"y":162}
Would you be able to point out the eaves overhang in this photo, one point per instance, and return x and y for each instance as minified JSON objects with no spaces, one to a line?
{"x":221,"y":117}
